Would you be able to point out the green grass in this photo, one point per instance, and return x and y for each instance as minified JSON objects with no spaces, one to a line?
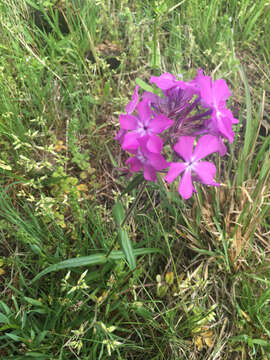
{"x":171,"y":280}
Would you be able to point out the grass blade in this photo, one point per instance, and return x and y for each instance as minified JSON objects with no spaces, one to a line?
{"x":249,"y":130}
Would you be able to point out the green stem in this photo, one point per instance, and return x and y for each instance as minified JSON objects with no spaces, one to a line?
{"x":128,"y":214}
{"x":155,"y":43}
{"x":135,"y":203}
{"x":165,"y":237}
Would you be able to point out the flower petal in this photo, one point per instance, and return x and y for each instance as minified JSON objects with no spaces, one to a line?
{"x":149,"y":173}
{"x":221,"y":147}
{"x":164,"y":81}
{"x":130,"y":141}
{"x":120,"y":135}
{"x":184,"y":147}
{"x":205,"y":85}
{"x":135,"y":164}
{"x":133,"y":103}
{"x":224,"y":125}
{"x":185,"y":187}
{"x":206,"y":172}
{"x":206,"y":145}
{"x":174,"y":171}
{"x":221,"y":92}
{"x":160,"y":123}
{"x":190,"y":87}
{"x":150,"y":96}
{"x":143,"y":143}
{"x":155,"y":144}
{"x":157,"y":161}
{"x":144,"y":110}
{"x":128,"y":122}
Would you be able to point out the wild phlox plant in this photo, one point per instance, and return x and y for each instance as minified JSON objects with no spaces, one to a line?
{"x":172,"y":129}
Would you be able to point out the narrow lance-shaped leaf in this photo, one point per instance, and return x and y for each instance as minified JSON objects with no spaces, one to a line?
{"x":119,"y":215}
{"x":133,"y":184}
{"x":142,"y":84}
{"x":95,"y":259}
{"x":127,"y":248}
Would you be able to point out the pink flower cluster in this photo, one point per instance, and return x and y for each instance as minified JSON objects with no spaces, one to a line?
{"x":185,"y":123}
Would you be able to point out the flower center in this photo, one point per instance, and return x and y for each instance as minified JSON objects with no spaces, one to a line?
{"x":143,"y":129}
{"x":190,"y":165}
{"x":143,"y":159}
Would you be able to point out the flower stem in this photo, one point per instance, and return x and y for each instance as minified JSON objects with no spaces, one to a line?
{"x":128,"y":214}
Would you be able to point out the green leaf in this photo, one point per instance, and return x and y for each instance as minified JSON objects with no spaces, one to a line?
{"x":33,"y":301}
{"x":118,"y":213}
{"x":146,"y":251}
{"x":15,"y":337}
{"x":260,"y":155}
{"x":249,"y":132}
{"x":143,"y":312}
{"x":134,"y":183}
{"x":127,"y":248}
{"x":31,"y":3}
{"x":95,"y":259}
{"x":260,"y":342}
{"x":41,"y":336}
{"x":113,"y":161}
{"x":38,"y":355}
{"x":4,"y":319}
{"x":5,"y":307}
{"x":144,"y":85}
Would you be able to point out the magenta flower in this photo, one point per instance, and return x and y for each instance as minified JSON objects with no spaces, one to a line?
{"x":190,"y":119}
{"x":180,"y":104}
{"x":176,"y":103}
{"x":164,"y":81}
{"x":131,"y":106}
{"x":168,"y":81}
{"x":214,"y":95}
{"x":144,"y":125}
{"x":148,"y":161}
{"x":204,"y":170}
{"x":120,"y":136}
{"x":211,"y":128}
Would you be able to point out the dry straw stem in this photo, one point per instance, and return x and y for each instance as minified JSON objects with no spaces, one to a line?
{"x":242,"y":218}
